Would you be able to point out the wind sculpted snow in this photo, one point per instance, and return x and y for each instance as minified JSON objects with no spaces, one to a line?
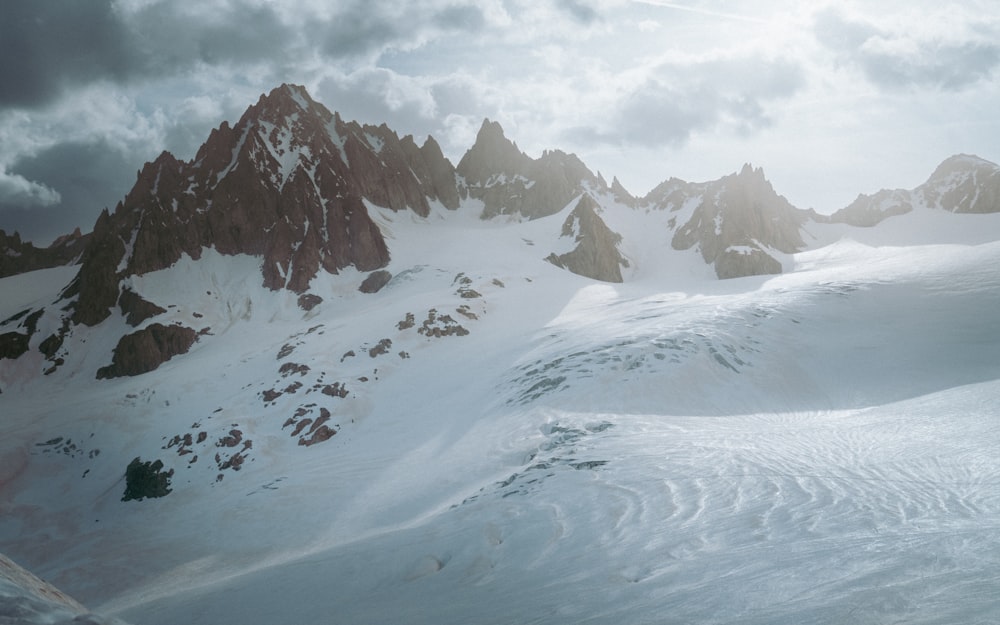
{"x":489,"y":438}
{"x":815,"y":447}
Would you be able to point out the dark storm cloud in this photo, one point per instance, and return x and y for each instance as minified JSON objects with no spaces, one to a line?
{"x":89,"y":177}
{"x":170,"y":39}
{"x":894,"y":60}
{"x":365,"y":29}
{"x":49,"y":45}
{"x":357,"y":30}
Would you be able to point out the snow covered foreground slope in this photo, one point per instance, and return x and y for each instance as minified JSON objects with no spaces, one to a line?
{"x":814,"y":447}
{"x":27,"y":600}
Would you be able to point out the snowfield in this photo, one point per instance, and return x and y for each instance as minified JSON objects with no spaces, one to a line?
{"x":814,"y":447}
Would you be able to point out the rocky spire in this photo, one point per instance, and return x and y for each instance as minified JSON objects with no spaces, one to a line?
{"x":17,"y":256}
{"x":288,"y":182}
{"x":492,"y":155}
{"x":510,"y":182}
{"x":737,"y":222}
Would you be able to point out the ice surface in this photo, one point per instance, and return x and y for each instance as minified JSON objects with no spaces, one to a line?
{"x":814,"y":447}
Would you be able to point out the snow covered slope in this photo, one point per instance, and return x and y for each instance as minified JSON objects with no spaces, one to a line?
{"x":318,"y":374}
{"x":27,"y":600}
{"x":507,"y":442}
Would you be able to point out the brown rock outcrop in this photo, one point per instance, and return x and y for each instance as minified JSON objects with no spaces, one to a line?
{"x":136,"y":309}
{"x":146,"y":349}
{"x":375,"y":281}
{"x":287,"y":183}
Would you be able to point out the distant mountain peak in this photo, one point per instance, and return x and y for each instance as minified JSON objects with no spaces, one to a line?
{"x":491,"y":155}
{"x":961,"y":165}
{"x":737,"y":222}
{"x":968,"y":160}
{"x":963,"y":183}
{"x":509,"y":182}
{"x":288,"y":98}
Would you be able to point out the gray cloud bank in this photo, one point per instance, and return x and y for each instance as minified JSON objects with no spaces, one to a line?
{"x":895,"y":59}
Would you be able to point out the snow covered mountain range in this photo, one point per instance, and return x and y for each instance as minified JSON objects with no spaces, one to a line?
{"x":319,"y":370}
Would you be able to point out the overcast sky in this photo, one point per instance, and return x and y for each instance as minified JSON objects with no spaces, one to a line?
{"x":830,"y":98}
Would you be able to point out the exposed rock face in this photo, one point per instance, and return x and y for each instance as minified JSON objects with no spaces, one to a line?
{"x":963,"y":184}
{"x":510,"y":182}
{"x":288,"y":183}
{"x":621,"y":194}
{"x":596,"y":253}
{"x":14,"y":344}
{"x":735,"y":262}
{"x":375,"y":281}
{"x":136,"y":309}
{"x":96,"y":284}
{"x":960,"y":184}
{"x":146,"y":479}
{"x":308,"y":301}
{"x":735,"y":222}
{"x":869,"y":210}
{"x":145,"y":350}
{"x":17,"y":256}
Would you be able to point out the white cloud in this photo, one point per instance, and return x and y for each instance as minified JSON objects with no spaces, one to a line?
{"x":17,"y":190}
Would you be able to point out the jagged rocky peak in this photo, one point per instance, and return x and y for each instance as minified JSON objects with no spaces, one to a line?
{"x":621,"y":194}
{"x":869,"y":210}
{"x":509,"y":182}
{"x":17,"y":256}
{"x":595,"y":253}
{"x":738,"y":222}
{"x":288,"y":182}
{"x":492,"y":155}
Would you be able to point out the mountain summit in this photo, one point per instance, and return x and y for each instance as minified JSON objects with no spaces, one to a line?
{"x":509,"y":182}
{"x":287,"y":183}
{"x":739,"y":224}
{"x":307,"y":194}
{"x":960,"y":184}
